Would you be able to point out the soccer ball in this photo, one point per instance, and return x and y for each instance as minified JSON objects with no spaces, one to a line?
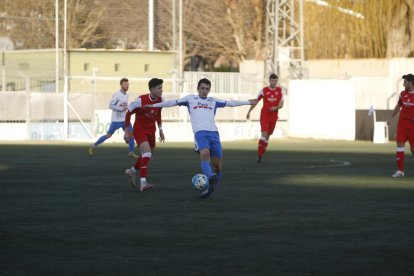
{"x":200,"y":182}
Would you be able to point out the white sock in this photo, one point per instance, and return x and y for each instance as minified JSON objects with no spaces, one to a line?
{"x":143,"y":181}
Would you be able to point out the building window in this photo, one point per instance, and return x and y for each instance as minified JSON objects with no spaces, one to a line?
{"x":85,"y":66}
{"x":146,"y":67}
{"x":117,"y":66}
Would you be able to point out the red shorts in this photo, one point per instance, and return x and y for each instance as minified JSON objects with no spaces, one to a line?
{"x":405,"y":131}
{"x":267,"y":125}
{"x":142,"y":137}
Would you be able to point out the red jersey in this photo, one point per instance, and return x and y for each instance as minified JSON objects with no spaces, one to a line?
{"x":271,"y":98}
{"x":406,"y":102}
{"x":145,"y":118}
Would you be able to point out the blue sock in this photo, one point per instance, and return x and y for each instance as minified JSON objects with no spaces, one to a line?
{"x":131,"y":144}
{"x":218,"y":178}
{"x":206,"y":168}
{"x":101,"y":140}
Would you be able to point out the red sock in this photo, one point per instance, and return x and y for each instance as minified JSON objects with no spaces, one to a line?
{"x":143,"y":167}
{"x":261,"y":147}
{"x":400,"y":160}
{"x":265,"y":147}
{"x":136,"y":164}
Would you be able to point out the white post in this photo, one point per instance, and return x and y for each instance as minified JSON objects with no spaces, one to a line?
{"x":65,"y":75}
{"x":57,"y":45}
{"x":180,"y":46}
{"x":174,"y":26}
{"x":28,"y":100}
{"x":3,"y":73}
{"x":174,"y":46}
{"x":94,"y":92}
{"x":151,"y":25}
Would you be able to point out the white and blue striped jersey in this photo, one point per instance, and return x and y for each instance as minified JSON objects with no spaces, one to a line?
{"x":202,"y":110}
{"x":117,"y":103}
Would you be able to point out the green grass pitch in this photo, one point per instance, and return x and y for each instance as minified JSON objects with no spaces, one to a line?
{"x":312,"y":208}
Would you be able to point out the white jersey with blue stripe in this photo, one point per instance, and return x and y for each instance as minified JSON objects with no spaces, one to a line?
{"x":202,"y":111}
{"x":118,"y":102}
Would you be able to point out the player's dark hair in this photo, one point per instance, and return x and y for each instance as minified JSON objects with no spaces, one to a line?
{"x":154,"y":82}
{"x":123,"y":80}
{"x":205,"y":81}
{"x":409,"y":77}
{"x":273,"y":76}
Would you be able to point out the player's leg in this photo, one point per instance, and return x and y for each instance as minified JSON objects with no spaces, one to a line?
{"x":131,"y":143}
{"x":207,"y":170}
{"x":216,"y":163}
{"x":216,"y":154}
{"x":266,"y":135}
{"x":145,"y":148}
{"x":262,"y":144}
{"x":205,"y":162}
{"x":132,"y":173}
{"x":212,"y":155}
{"x":112,"y":128}
{"x":203,"y":147}
{"x":399,"y":155}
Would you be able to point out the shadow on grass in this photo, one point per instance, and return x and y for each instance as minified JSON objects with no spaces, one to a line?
{"x":299,"y":212}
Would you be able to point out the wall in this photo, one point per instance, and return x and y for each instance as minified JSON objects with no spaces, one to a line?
{"x":130,"y":63}
{"x":322,"y":109}
{"x":378,"y":81}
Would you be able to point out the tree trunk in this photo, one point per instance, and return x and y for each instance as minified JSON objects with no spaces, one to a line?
{"x":400,"y":39}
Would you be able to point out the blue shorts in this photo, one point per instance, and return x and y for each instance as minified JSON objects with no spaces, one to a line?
{"x":208,"y":140}
{"x":116,"y":125}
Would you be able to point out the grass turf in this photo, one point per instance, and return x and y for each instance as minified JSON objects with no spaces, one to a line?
{"x":312,"y":208}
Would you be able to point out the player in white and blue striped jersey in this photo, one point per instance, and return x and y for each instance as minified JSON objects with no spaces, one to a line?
{"x":202,"y":111}
{"x":119,"y":106}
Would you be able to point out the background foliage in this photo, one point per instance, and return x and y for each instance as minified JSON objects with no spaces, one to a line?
{"x":216,"y":33}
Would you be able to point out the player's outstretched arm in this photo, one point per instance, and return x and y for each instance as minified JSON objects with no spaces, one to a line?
{"x":238,"y":103}
{"x":162,"y":104}
{"x":251,"y":108}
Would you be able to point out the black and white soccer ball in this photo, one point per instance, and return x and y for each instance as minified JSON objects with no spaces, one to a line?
{"x":200,"y":182}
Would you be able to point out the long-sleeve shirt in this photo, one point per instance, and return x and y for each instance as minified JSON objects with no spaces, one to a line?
{"x":118,"y":102}
{"x":202,"y":110}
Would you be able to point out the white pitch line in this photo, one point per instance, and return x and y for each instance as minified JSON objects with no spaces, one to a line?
{"x":338,"y":163}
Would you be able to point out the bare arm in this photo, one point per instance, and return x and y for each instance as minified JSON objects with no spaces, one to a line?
{"x":159,"y":123}
{"x":396,"y":110}
{"x":251,"y":108}
{"x":128,"y":134}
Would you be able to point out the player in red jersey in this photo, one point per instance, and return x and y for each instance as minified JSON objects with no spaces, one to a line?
{"x":272,"y":101}
{"x":144,"y":131}
{"x":405,"y":128}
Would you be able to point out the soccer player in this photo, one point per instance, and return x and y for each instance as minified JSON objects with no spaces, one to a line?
{"x":405,"y":128}
{"x":144,"y":131}
{"x":119,"y":105}
{"x":202,"y":111}
{"x":272,"y":101}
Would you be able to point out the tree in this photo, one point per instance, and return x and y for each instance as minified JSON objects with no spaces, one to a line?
{"x":220,"y":33}
{"x":359,"y":29}
{"x":400,"y":39}
{"x":23,"y":21}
